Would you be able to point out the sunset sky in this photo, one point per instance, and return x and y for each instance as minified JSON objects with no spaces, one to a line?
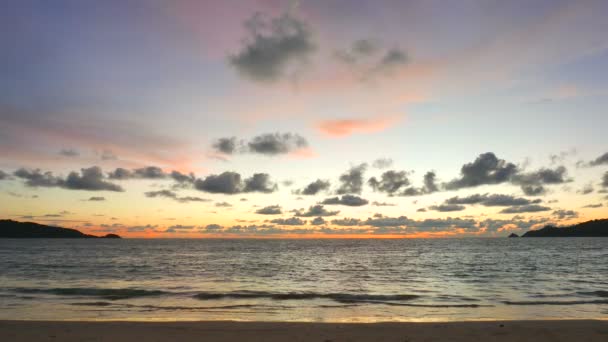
{"x":315,"y":118}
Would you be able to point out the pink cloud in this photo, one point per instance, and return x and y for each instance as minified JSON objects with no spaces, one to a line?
{"x":345,"y":127}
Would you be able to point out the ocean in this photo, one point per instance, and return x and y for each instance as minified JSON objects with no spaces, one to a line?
{"x":324,"y":280}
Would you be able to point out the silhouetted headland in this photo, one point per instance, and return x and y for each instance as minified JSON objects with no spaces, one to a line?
{"x":15,"y":229}
{"x":513,"y":235}
{"x":595,"y":228}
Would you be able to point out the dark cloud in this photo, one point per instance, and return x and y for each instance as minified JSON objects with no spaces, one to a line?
{"x":532,"y":183}
{"x":421,"y":210}
{"x":349,"y":222}
{"x":447,"y":207}
{"x":383,"y":204}
{"x":96,"y":199}
{"x":601,"y":160}
{"x":269,"y":144}
{"x":182,"y":178}
{"x":223,"y":205}
{"x":272,"y":47}
{"x":495,"y":200}
{"x":69,"y":152}
{"x":390,"y":182}
{"x":317,"y":221}
{"x":351,"y":182}
{"x":91,"y":178}
{"x":585,"y":190}
{"x":276,"y":143}
{"x":565,"y":214}
{"x":226,"y":145}
{"x":149,"y":172}
{"x":605,"y":180}
{"x":430,"y":186}
{"x":316,"y":210}
{"x":120,"y":174}
{"x":486,"y":169}
{"x":293,"y":221}
{"x":382,"y":163}
{"x":270,"y":210}
{"x":360,"y":49}
{"x":4,"y":175}
{"x":531,"y":208}
{"x":314,"y":187}
{"x":392,"y":58}
{"x":37,"y":178}
{"x":231,"y":183}
{"x":173,"y":195}
{"x":260,"y":182}
{"x":349,"y":200}
{"x":224,"y":183}
{"x":597,"y":205}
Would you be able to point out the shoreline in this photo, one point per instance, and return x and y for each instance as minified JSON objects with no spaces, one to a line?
{"x":498,"y":330}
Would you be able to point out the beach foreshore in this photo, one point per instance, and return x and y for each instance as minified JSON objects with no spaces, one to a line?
{"x":558,"y":330}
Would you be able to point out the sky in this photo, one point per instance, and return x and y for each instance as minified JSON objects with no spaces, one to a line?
{"x":308,"y":119}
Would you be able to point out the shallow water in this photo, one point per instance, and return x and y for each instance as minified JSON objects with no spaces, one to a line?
{"x":304,"y":280}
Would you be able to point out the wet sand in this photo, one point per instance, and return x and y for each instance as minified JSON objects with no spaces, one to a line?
{"x":567,"y":330}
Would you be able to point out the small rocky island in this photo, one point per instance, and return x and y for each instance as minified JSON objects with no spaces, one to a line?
{"x":595,"y":228}
{"x":15,"y":229}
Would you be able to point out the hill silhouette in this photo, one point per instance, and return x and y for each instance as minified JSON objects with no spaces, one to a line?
{"x":595,"y":228}
{"x":15,"y":229}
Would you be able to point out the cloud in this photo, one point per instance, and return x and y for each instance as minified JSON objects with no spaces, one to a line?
{"x":344,"y":127}
{"x":293,"y":221}
{"x":270,"y":210}
{"x":601,"y":160}
{"x":260,"y":182}
{"x":224,"y":183}
{"x":316,"y":210}
{"x":390,"y":182}
{"x":223,"y":205}
{"x":447,"y":207}
{"x":351,"y":182}
{"x":69,"y":152}
{"x":226,"y":145}
{"x":430,"y":186}
{"x":349,"y":200}
{"x":148,"y":172}
{"x":173,"y":195}
{"x":531,"y":208}
{"x":494,"y":200}
{"x":4,"y":175}
{"x":586,"y":189}
{"x":382,"y":163}
{"x":383,"y":204}
{"x":182,"y":178}
{"x":565,"y":214}
{"x":317,"y":221}
{"x":96,"y":199}
{"x":349,"y":222}
{"x":314,"y":188}
{"x":392,"y":58}
{"x":91,"y":178}
{"x":360,"y":50}
{"x":272,"y":47}
{"x":270,"y":144}
{"x":273,"y":144}
{"x":532,"y":182}
{"x":231,"y":183}
{"x":359,"y":57}
{"x":486,"y":169}
{"x":605,"y":180}
{"x":593,"y":206}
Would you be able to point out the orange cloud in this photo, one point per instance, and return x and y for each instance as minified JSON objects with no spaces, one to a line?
{"x":345,"y":127}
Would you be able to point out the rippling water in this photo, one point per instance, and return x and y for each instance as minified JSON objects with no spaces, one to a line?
{"x":304,"y":280}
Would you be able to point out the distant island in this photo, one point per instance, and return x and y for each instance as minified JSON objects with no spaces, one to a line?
{"x":15,"y":229}
{"x":595,"y":228}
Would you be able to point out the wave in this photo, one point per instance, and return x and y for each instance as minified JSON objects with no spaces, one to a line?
{"x":110,"y":294}
{"x":338,"y":297}
{"x":598,"y":293}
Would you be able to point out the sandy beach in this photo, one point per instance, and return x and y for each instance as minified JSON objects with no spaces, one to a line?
{"x":584,"y":330}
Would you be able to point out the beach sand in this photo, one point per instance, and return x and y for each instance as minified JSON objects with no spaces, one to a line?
{"x":588,"y":330}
